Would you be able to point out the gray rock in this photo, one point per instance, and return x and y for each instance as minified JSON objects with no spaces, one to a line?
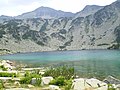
{"x":111,"y":80}
{"x":46,"y":80}
{"x":54,"y":87}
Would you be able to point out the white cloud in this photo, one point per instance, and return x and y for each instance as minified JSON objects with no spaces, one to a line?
{"x":67,"y":5}
{"x":76,"y":5}
{"x":16,"y":7}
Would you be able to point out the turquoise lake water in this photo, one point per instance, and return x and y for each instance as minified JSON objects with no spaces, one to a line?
{"x":85,"y":62}
{"x":66,"y":55}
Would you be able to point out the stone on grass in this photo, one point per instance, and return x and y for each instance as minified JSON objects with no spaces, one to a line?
{"x":16,"y":83}
{"x":88,"y":84}
{"x":54,"y":87}
{"x":30,"y":86}
{"x":46,"y":80}
{"x":33,"y":81}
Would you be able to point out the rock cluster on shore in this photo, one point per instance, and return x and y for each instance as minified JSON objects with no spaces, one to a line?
{"x":77,"y":84}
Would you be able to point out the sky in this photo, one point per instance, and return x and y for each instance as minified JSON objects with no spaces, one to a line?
{"x":17,"y":7}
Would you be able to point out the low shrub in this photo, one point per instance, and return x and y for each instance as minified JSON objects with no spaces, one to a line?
{"x":1,"y":84}
{"x":68,"y":84}
{"x":110,"y":87}
{"x":28,"y":77}
{"x":66,"y":71}
{"x":5,"y":74}
{"x":60,"y":81}
{"x":26,"y":80}
{"x":38,"y":82}
{"x":3,"y":68}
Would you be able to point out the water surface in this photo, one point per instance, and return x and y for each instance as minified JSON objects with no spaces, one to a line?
{"x":86,"y":62}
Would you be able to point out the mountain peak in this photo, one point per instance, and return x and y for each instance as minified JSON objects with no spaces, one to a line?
{"x":89,"y":9}
{"x":46,"y":13}
{"x":92,"y":7}
{"x":43,"y":7}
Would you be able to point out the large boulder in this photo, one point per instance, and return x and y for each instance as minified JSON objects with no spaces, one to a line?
{"x":111,"y":80}
{"x":16,"y":83}
{"x":118,"y":86}
{"x":46,"y":80}
{"x":95,"y":82}
{"x":30,"y":86}
{"x":88,"y":84}
{"x":79,"y":84}
{"x":33,"y":81}
{"x":54,"y":87}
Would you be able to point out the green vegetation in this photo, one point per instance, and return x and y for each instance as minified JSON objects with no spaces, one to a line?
{"x":62,"y":47}
{"x":2,"y":33}
{"x":115,"y":46}
{"x":77,"y":21}
{"x":3,"y":68}
{"x":60,"y":81}
{"x":102,"y":44}
{"x":40,"y":43}
{"x":66,"y":71}
{"x":63,"y":31}
{"x":26,"y":80}
{"x":1,"y":84}
{"x":28,"y":77}
{"x":68,"y":85}
{"x":5,"y":74}
{"x":5,"y":50}
{"x":43,"y":28}
{"x":62,"y":76}
{"x":110,"y":87}
{"x":38,"y":82}
{"x":29,"y":35}
{"x":117,"y":33}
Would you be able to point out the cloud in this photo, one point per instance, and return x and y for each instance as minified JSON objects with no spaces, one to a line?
{"x":76,"y":5}
{"x":17,"y":7}
{"x":20,"y":2}
{"x":68,"y":5}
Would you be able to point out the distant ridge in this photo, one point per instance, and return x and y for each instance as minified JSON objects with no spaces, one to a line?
{"x":46,"y":13}
{"x":89,"y":9}
{"x":98,"y":28}
{"x":50,"y":13}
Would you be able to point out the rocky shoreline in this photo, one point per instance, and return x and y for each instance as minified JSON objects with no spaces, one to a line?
{"x":48,"y":82}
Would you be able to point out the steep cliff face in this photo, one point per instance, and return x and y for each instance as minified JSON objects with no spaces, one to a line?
{"x":100,"y":30}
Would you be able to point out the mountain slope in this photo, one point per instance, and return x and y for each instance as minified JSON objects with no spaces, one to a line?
{"x":4,"y":18}
{"x":100,"y":30}
{"x":88,"y":10}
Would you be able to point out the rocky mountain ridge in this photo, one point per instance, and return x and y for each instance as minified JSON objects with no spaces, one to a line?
{"x":88,"y":10}
{"x":46,"y":13}
{"x":49,"y":13}
{"x":99,"y":30}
